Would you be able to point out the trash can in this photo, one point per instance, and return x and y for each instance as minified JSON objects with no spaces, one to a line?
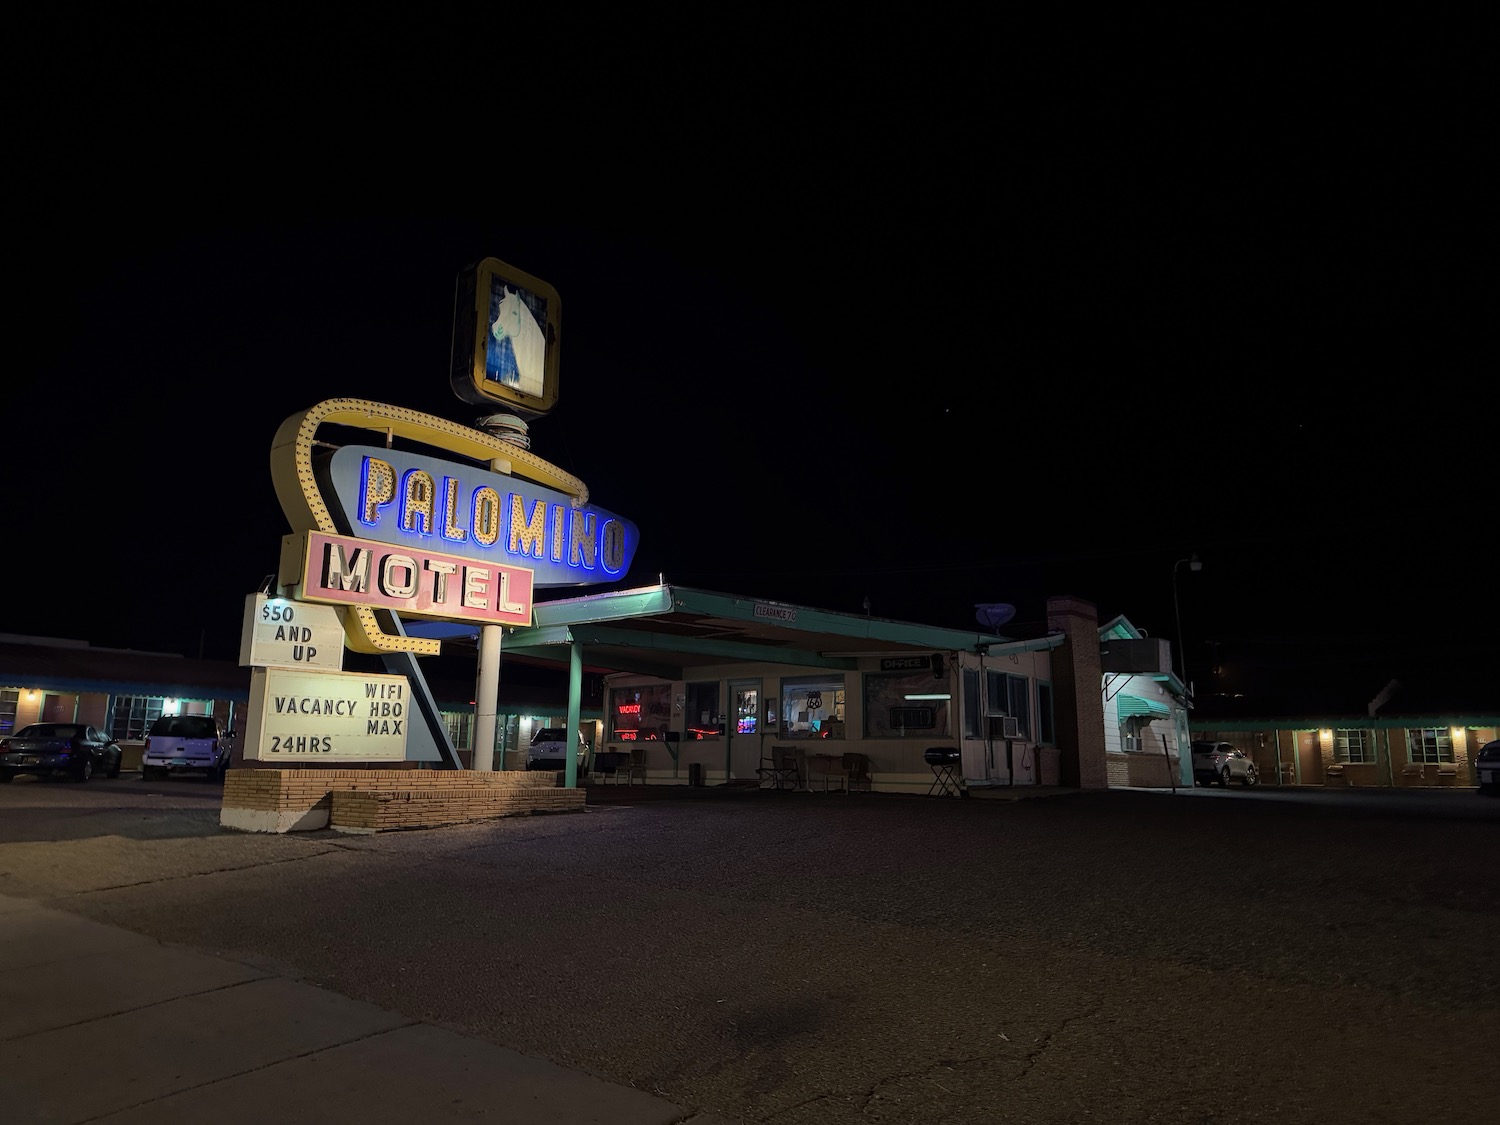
{"x":695,"y":774}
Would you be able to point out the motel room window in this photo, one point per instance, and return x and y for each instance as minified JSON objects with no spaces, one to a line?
{"x":10,"y":700}
{"x":460,"y":725}
{"x":1354,"y":745}
{"x":813,"y":708}
{"x":640,"y":714}
{"x":1010,"y":695}
{"x":1131,"y":733}
{"x":1429,"y":745}
{"x":702,"y":712}
{"x":907,"y":705}
{"x":131,"y":716}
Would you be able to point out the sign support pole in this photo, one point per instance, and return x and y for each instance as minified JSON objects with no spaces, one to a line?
{"x":575,"y":689}
{"x":487,"y":688}
{"x":487,"y":697}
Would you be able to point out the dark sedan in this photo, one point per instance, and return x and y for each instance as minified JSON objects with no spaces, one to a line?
{"x":75,"y":749}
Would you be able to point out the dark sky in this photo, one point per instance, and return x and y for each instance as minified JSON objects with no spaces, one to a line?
{"x":823,"y":339}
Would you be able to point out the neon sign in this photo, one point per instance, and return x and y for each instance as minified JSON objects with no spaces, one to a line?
{"x":391,"y":496}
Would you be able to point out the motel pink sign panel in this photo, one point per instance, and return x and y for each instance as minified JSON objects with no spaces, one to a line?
{"x":348,"y":571}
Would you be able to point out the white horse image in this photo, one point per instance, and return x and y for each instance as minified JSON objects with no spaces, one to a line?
{"x":517,"y":351}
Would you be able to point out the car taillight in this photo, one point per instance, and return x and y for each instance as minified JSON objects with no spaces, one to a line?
{"x":146,"y":747}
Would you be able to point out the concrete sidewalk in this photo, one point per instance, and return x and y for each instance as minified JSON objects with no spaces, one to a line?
{"x":103,"y":1025}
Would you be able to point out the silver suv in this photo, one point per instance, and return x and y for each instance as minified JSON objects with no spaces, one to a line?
{"x":1219,"y":763}
{"x":186,"y":742}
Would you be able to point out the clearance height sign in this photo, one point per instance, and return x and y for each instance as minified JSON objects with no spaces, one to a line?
{"x":320,"y":717}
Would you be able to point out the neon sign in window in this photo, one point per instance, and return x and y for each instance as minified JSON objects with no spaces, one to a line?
{"x":642,"y":713}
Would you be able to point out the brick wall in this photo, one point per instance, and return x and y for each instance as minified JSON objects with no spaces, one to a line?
{"x":1148,"y":771}
{"x":1077,"y":671}
{"x":374,"y":800}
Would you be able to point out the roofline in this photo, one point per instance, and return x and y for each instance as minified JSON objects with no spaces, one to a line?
{"x":648,"y":601}
{"x":1303,"y":722}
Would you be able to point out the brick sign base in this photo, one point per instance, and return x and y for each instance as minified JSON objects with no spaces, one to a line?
{"x":375,"y":800}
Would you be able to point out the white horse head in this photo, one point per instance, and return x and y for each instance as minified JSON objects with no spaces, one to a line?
{"x":521,"y":364}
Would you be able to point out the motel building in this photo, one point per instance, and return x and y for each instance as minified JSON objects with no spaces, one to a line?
{"x":691,"y":687}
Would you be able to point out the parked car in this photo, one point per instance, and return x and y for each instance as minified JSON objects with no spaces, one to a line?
{"x":1489,"y":768}
{"x":1219,"y":763}
{"x":177,"y":743}
{"x":549,"y":750}
{"x":76,"y":749}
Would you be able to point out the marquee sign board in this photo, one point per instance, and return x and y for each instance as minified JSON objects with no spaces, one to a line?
{"x":302,"y":716}
{"x":281,"y":633}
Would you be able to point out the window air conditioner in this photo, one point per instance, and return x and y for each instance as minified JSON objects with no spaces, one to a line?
{"x":1003,"y":726}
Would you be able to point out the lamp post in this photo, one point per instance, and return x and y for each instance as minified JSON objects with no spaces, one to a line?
{"x":1194,"y":563}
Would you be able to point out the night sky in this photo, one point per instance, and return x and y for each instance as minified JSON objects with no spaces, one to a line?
{"x":826,"y":342}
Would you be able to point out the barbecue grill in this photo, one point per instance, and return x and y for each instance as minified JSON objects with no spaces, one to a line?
{"x":941,"y":756}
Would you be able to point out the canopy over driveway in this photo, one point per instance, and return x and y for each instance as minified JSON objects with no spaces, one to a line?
{"x":667,"y":631}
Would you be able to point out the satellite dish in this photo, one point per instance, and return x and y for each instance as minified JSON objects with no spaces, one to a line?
{"x":992,"y":615}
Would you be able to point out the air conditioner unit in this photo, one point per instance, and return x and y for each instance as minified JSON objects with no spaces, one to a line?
{"x":1003,"y":726}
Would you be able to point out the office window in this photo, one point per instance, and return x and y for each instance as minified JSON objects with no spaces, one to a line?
{"x":1355,"y":746}
{"x":973,"y":704}
{"x":811,"y":707}
{"x":1010,"y":695}
{"x":907,"y":705}
{"x":1046,"y":732}
{"x":746,"y":707}
{"x":702,"y":712}
{"x":1429,"y":745}
{"x":640,"y":714}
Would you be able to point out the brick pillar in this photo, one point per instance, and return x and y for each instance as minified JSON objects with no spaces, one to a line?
{"x":1077,"y":674}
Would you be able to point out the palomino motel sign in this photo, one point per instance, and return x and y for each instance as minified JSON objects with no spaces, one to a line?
{"x":433,"y":539}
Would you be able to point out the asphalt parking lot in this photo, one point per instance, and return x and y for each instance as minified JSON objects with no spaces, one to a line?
{"x":1207,"y":955}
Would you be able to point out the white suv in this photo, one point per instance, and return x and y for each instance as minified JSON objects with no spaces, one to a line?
{"x":549,"y":750}
{"x":1219,"y":763}
{"x":186,"y":742}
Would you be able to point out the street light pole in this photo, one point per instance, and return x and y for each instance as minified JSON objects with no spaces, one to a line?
{"x":1194,"y":563}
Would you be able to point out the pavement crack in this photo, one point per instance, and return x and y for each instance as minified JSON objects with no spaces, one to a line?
{"x":141,"y":1007}
{"x":1045,"y":1041}
{"x":187,"y":875}
{"x":177,"y":1092}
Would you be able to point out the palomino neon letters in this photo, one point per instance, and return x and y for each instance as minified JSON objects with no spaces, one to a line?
{"x":395,"y":497}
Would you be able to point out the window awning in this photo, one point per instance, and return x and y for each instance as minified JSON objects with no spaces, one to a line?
{"x":1136,"y":707}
